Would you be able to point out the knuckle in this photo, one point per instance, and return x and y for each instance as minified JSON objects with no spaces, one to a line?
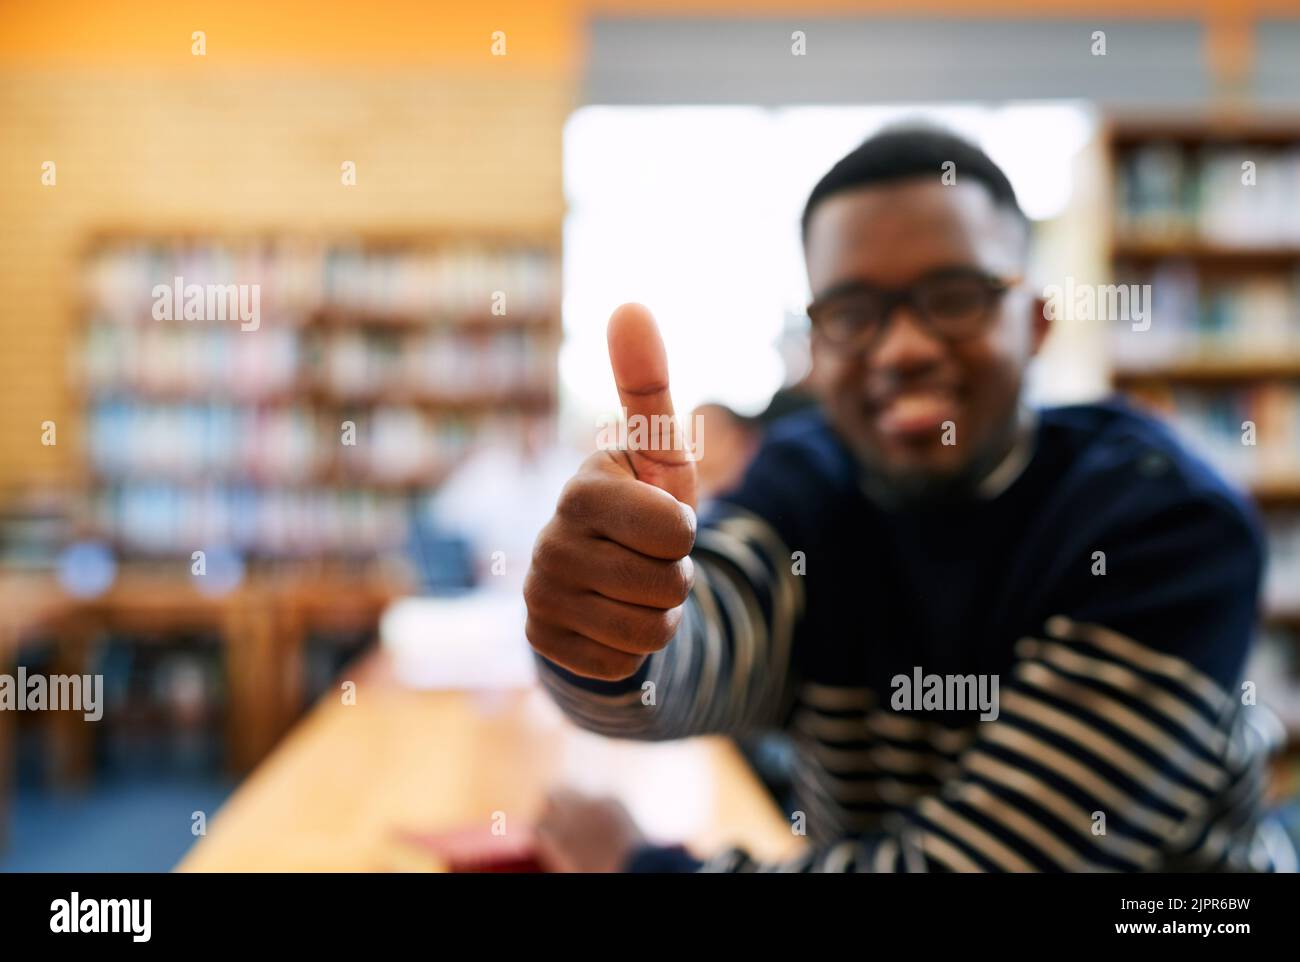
{"x":577,"y":499}
{"x":537,"y":635}
{"x":683,"y":580}
{"x":601,"y":663}
{"x":578,"y":654}
{"x":621,"y":666}
{"x":598,"y":462}
{"x":681,"y":532}
{"x":536,"y":593}
{"x":548,"y":551}
{"x":665,"y":627}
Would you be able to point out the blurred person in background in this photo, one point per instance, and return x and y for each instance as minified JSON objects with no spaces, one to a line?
{"x":733,"y":439}
{"x":504,"y":490}
{"x":1002,"y":639}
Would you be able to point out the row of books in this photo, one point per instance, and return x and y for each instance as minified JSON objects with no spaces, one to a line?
{"x":1251,"y":319}
{"x":461,"y":279}
{"x":1250,"y":434}
{"x":180,"y":361}
{"x":190,"y":360}
{"x":297,"y":277}
{"x":1235,"y":196}
{"x":156,"y":518}
{"x":291,"y":444}
{"x":442,"y":364}
{"x":372,"y":371}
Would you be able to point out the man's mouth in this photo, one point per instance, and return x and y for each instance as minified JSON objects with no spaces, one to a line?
{"x":916,"y":415}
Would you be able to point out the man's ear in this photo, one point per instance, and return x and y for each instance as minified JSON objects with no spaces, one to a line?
{"x":1040,"y":324}
{"x":816,"y":377}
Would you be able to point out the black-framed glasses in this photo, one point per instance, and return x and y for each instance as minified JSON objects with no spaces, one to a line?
{"x":953,"y":304}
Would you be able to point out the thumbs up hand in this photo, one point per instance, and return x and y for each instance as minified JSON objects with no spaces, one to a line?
{"x":636,"y":353}
{"x":611,"y":571}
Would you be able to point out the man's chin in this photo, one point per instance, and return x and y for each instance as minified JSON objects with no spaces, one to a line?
{"x":927,"y":474}
{"x":919,"y":481}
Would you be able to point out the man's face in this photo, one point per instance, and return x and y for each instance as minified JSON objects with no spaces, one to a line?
{"x":899,"y":400}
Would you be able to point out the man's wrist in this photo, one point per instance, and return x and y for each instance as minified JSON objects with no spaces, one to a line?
{"x":594,"y":685}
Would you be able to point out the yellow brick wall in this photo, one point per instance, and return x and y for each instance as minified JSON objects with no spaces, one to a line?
{"x":251,"y":136}
{"x":192,"y":149}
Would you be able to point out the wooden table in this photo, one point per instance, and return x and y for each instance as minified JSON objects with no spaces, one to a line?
{"x":262,"y":626}
{"x":340,"y":790}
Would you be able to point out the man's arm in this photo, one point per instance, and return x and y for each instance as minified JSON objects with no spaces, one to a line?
{"x":644,"y":627}
{"x":1106,"y":756}
{"x":728,"y":669}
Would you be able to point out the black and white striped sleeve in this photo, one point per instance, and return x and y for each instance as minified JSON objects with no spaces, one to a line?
{"x":1106,"y":755}
{"x":729,"y":668}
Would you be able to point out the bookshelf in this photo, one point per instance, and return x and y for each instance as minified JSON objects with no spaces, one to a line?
{"x":1223,"y":260}
{"x":375,"y":365}
{"x":301,"y":442}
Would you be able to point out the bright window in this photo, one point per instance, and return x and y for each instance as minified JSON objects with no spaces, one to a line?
{"x":694,"y":211}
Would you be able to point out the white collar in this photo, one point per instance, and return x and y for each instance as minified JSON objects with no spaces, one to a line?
{"x":1016,"y":460}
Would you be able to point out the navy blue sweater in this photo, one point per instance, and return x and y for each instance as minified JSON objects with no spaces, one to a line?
{"x":1109,"y":590}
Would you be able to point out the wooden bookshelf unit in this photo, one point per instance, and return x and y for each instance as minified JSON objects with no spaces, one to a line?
{"x":375,"y":366}
{"x":1222,"y":255}
{"x":296,"y":452}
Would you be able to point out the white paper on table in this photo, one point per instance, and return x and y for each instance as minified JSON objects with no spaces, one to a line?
{"x":471,"y":642}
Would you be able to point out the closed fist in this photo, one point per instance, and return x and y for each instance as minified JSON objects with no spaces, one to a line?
{"x":612,"y":569}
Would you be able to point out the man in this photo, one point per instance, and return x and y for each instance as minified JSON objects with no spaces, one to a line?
{"x":1003,"y":640}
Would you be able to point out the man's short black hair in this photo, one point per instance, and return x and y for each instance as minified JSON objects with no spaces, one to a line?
{"x":908,"y":152}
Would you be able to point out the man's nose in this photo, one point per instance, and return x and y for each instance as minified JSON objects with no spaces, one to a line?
{"x":905,"y":343}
